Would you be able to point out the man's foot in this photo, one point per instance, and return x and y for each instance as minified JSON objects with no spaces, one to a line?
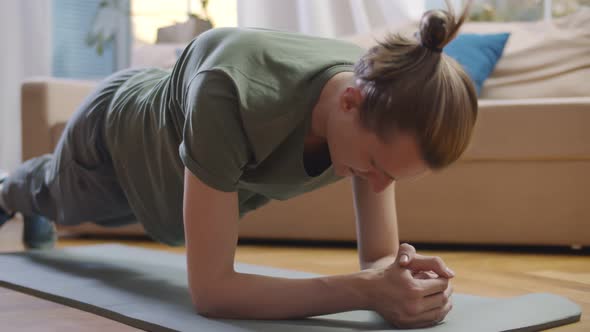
{"x":4,"y":215}
{"x":38,"y":233}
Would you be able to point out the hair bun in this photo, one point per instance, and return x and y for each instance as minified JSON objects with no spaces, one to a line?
{"x":434,"y":29}
{"x":439,"y":27}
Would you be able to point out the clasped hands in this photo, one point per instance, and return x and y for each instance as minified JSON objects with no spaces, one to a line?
{"x":414,"y":291}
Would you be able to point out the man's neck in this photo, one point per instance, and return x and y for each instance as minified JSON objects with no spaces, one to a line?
{"x":328,"y":102}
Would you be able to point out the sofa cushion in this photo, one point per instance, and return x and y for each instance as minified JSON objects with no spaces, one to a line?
{"x":540,"y":60}
{"x":478,"y":54}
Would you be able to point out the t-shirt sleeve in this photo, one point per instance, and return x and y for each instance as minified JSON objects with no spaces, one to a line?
{"x":214,"y":146}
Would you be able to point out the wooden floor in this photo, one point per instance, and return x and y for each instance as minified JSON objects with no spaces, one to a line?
{"x":488,"y":272}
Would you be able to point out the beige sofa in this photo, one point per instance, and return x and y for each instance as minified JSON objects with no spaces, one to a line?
{"x":524,"y":180}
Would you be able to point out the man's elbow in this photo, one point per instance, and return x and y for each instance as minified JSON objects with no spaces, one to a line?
{"x":211,"y":301}
{"x":207,"y":304}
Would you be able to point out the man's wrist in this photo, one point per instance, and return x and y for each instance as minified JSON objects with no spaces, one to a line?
{"x":382,"y":262}
{"x":368,"y":283}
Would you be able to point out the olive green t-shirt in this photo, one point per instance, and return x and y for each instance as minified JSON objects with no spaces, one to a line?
{"x":234,"y":110}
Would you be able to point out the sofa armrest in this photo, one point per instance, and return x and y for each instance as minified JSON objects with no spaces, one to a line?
{"x":45,"y":103}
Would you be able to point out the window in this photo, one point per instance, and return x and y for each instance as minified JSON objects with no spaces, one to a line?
{"x":566,"y":7}
{"x":523,"y":10}
{"x":72,"y":56}
{"x":148,"y":16}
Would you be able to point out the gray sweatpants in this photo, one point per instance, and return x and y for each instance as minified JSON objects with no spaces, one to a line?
{"x":76,"y":183}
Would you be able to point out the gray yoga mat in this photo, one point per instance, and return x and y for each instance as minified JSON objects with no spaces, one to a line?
{"x":148,"y":289}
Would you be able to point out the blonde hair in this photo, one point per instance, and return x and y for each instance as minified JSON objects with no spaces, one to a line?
{"x":411,"y":86}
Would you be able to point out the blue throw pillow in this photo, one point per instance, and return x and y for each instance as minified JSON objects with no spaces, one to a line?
{"x":478,"y":54}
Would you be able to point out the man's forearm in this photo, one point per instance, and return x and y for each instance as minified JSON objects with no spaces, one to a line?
{"x":249,"y":296}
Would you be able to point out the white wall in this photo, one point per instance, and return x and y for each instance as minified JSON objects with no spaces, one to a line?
{"x":327,"y":18}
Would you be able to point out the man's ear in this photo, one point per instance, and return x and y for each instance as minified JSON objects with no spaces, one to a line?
{"x":351,"y":99}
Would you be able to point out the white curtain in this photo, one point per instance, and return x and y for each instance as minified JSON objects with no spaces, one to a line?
{"x":327,"y":18}
{"x":25,"y":35}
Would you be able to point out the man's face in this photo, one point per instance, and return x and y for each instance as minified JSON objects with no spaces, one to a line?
{"x":356,"y":151}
